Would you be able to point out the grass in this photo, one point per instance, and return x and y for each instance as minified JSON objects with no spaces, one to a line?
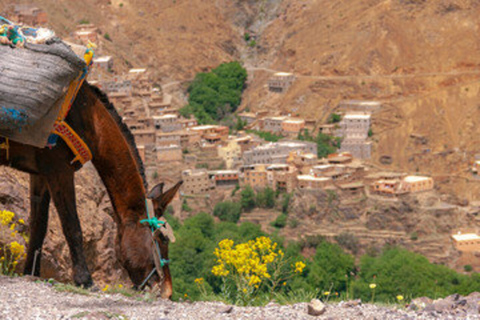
{"x":66,"y":287}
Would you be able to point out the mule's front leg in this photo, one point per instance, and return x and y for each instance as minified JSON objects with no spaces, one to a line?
{"x":39,"y":203}
{"x":62,"y":191}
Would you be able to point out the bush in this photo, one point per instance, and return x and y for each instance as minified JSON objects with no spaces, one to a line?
{"x":334,"y":118}
{"x":247,"y":200}
{"x":185,"y":206}
{"x":325,"y":144}
{"x":267,"y":136}
{"x":107,"y":37}
{"x":228,"y":211}
{"x":280,"y":222}
{"x":467,"y":268}
{"x":286,"y":202}
{"x":266,"y":198}
{"x":216,"y":94}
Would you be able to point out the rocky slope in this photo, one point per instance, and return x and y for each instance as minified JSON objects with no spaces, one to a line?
{"x":40,"y":300}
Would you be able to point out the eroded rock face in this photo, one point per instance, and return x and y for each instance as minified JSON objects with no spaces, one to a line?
{"x":98,"y":227}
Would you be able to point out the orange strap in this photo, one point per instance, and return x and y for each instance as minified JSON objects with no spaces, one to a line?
{"x":76,"y":144}
{"x":72,"y":139}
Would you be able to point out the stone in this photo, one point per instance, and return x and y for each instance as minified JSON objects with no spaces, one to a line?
{"x":316,"y":308}
{"x":418,"y":304}
{"x":352,"y":303}
{"x":226,"y":309}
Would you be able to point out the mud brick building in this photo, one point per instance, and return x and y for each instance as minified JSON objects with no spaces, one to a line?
{"x":280,"y":82}
{"x":277,"y":152}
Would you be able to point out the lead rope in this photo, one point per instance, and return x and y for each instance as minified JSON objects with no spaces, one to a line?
{"x":154,"y":224}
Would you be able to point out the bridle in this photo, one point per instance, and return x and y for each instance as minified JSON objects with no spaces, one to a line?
{"x":158,"y":227}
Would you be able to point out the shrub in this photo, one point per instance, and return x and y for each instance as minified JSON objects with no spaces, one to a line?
{"x":247,"y":200}
{"x":370,"y":132}
{"x":107,"y":37}
{"x":414,"y":236}
{"x":286,"y":202}
{"x":266,"y":198}
{"x":467,"y":268}
{"x":280,"y":222}
{"x":12,"y":252}
{"x":247,"y":267}
{"x":185,"y":206}
{"x":228,"y":211}
{"x":84,"y":21}
{"x":325,"y":144}
{"x":334,"y":118}
{"x":216,"y":94}
{"x":267,"y":136}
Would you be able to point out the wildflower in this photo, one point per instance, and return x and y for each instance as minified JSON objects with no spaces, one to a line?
{"x":106,"y":288}
{"x":120,"y":286}
{"x":372,"y":286}
{"x":12,"y":226}
{"x":326,"y":293}
{"x":6,"y":217}
{"x":336,"y":293}
{"x":399,"y":297}
{"x":199,"y":281}
{"x":185,"y":295}
{"x":244,"y":290}
{"x":285,"y":283}
{"x":299,"y":266}
{"x":16,"y":249}
{"x":21,"y":221}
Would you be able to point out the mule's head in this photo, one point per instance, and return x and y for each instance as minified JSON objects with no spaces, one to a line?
{"x":138,"y":250}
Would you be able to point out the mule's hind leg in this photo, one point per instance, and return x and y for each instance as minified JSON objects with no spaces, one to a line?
{"x":39,"y":203}
{"x":62,"y":190}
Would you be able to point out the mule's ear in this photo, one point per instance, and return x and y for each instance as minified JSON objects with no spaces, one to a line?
{"x":161,"y":202}
{"x":156,"y":191}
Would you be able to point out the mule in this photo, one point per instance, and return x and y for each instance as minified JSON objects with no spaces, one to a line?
{"x":119,"y":166}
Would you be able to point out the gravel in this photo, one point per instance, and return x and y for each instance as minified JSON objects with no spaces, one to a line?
{"x":23,"y":298}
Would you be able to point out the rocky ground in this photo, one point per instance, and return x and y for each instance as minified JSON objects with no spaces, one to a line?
{"x":23,"y":298}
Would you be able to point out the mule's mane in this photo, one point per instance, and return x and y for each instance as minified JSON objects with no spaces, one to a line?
{"x":123,"y":128}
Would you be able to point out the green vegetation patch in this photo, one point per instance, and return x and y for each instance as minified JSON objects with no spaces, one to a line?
{"x":216,"y":94}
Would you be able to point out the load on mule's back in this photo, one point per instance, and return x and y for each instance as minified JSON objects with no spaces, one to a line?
{"x":44,"y":100}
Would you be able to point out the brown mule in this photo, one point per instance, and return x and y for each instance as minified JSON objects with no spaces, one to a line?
{"x":116,"y":159}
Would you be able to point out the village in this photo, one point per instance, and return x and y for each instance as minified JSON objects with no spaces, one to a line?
{"x":215,"y":157}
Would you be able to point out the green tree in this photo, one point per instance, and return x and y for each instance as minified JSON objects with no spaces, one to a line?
{"x":266,"y":198}
{"x":334,"y":118}
{"x":216,"y":94}
{"x":228,"y":211}
{"x":247,"y":199}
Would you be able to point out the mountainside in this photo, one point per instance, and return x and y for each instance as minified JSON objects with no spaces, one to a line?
{"x":417,"y":57}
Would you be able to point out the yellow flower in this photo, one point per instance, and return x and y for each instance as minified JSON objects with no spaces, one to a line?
{"x":199,"y":281}
{"x":299,"y":266}
{"x":6,"y":217}
{"x":21,"y":221}
{"x":106,"y":288}
{"x":326,"y":293}
{"x":399,"y":297}
{"x":120,"y":286}
{"x":372,"y":285}
{"x":16,"y":249}
{"x":12,"y":226}
{"x":285,"y":283}
{"x":244,"y":290}
{"x":185,"y":295}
